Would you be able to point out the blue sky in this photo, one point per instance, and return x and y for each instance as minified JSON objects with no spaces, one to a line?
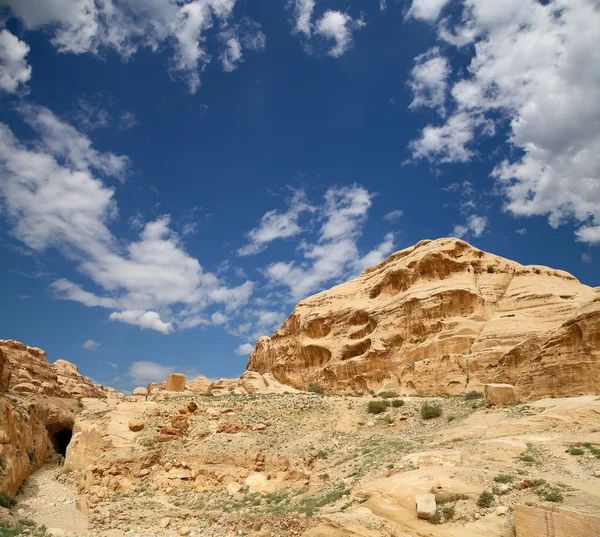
{"x":174,"y":177}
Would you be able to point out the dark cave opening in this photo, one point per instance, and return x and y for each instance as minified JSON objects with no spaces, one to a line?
{"x":61,"y":439}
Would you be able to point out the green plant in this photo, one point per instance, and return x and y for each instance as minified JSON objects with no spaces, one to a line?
{"x":504,"y":478}
{"x":79,"y":403}
{"x":553,"y":495}
{"x":574,"y":450}
{"x":316,"y":388}
{"x":431,"y":410}
{"x":387,"y":394}
{"x":593,"y":450}
{"x":436,"y":518}
{"x":6,"y":500}
{"x":486,"y":499}
{"x":469,"y":396}
{"x":377,"y":407}
{"x":448,"y":511}
{"x":397,"y":403}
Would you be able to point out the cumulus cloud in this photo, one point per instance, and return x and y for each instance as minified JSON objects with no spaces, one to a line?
{"x":236,"y":39}
{"x":125,"y":26}
{"x":335,"y":254}
{"x":303,"y":10}
{"x":14,"y":70}
{"x":144,"y":319}
{"x":332,"y":25}
{"x":276,"y":225}
{"x":392,"y":216}
{"x":429,"y":80}
{"x":338,"y":27}
{"x":428,"y":10}
{"x":474,"y":226}
{"x":91,"y":345}
{"x":535,"y":71}
{"x":53,"y":197}
{"x":244,"y":349}
{"x":141,"y":373}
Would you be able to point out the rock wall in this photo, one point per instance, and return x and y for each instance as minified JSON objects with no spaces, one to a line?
{"x":442,"y":317}
{"x":543,"y":521}
{"x":26,"y":369}
{"x":26,"y":425}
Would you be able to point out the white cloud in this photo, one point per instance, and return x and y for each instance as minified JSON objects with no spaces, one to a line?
{"x":53,"y":198}
{"x":428,"y":10}
{"x":275,"y":225}
{"x":429,"y":80}
{"x":144,"y":319}
{"x":235,"y":39}
{"x":218,"y":318}
{"x":378,"y":254}
{"x":125,"y":26}
{"x":335,"y":253}
{"x":303,"y":10}
{"x":587,"y":259}
{"x":338,"y":27}
{"x":244,"y":349}
{"x":535,"y":69}
{"x":142,"y":373}
{"x":91,"y":345}
{"x":392,"y":216}
{"x":14,"y":70}
{"x":475,"y":226}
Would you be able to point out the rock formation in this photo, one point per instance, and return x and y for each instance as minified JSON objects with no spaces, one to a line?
{"x":442,"y":317}
{"x":248,"y":382}
{"x":26,"y":370}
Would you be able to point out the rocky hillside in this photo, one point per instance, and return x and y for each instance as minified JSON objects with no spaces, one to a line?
{"x":442,"y":317}
{"x":26,"y":369}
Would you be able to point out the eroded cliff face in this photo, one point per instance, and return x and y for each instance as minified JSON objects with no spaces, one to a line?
{"x":442,"y":318}
{"x":29,"y":425}
{"x":26,"y":369}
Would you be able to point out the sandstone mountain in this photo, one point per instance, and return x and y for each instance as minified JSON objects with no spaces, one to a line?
{"x":26,"y":369}
{"x":442,"y":317}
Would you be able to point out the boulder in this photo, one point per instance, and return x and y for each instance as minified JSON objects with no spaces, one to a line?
{"x":426,"y":505}
{"x":136,"y":425}
{"x":500,"y":394}
{"x":175,"y":383}
{"x":233,"y":488}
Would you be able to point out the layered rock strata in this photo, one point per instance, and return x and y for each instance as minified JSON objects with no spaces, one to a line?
{"x":442,"y":317}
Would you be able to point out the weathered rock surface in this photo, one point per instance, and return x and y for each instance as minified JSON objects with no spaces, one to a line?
{"x":426,"y":506}
{"x":26,"y":370}
{"x":248,"y":382}
{"x":72,"y":383}
{"x":27,"y":425}
{"x":175,"y":383}
{"x":500,"y":394}
{"x":442,"y":317}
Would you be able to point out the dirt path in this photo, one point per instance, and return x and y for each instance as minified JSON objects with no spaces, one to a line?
{"x":47,"y":501}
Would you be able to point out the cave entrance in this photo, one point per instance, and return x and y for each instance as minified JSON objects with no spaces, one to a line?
{"x":60,"y":440}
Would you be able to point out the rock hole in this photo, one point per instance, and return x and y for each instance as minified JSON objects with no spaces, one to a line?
{"x":61,"y":438}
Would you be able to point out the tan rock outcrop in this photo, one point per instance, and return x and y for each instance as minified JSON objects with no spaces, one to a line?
{"x":442,"y":317}
{"x":199,"y":385}
{"x":72,"y":383}
{"x":27,"y":370}
{"x":500,"y":394}
{"x":175,"y":383}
